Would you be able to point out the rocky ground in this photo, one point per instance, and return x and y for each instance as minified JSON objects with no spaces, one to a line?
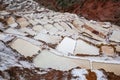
{"x":32,"y":37}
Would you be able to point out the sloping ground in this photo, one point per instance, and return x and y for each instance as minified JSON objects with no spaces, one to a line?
{"x":14,"y":66}
{"x":33,"y":36}
{"x":102,"y":10}
{"x":99,"y":10}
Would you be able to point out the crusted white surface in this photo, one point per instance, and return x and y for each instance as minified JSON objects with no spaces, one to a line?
{"x":9,"y":58}
{"x":80,"y":73}
{"x":53,"y":27}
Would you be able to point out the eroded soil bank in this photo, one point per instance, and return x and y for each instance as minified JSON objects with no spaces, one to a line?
{"x":99,"y":10}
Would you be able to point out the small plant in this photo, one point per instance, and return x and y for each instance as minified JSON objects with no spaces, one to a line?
{"x":66,"y":3}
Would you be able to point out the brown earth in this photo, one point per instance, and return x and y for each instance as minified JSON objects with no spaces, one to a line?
{"x":17,"y":73}
{"x":99,"y":10}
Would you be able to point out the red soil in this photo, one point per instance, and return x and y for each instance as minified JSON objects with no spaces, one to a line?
{"x":99,"y":10}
